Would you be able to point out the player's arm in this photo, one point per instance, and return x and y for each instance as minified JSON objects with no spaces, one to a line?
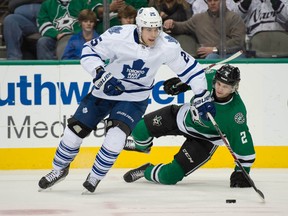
{"x":242,"y":145}
{"x":93,"y":57}
{"x":190,"y":72}
{"x":97,"y":51}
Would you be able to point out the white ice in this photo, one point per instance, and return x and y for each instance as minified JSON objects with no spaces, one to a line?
{"x":203,"y":193}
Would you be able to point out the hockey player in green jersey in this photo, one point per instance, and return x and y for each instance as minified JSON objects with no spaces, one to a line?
{"x":202,"y":139}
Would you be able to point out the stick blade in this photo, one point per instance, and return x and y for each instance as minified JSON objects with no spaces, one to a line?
{"x":261,"y":194}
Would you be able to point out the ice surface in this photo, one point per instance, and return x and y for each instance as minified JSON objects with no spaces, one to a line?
{"x":202,"y":193}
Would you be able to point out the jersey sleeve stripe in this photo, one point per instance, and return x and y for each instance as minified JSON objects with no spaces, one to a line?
{"x":188,"y":69}
{"x":196,"y":74}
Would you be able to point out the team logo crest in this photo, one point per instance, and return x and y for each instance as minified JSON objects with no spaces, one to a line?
{"x":115,"y":29}
{"x":171,"y":39}
{"x":157,"y":121}
{"x":136,"y":71}
{"x":65,"y":22}
{"x":239,"y":118}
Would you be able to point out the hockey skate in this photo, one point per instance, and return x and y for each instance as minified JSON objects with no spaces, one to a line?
{"x":135,"y":174}
{"x":55,"y":176}
{"x":130,"y":146}
{"x":90,"y":185}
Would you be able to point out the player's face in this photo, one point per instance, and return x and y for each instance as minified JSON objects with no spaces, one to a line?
{"x":149,"y":35}
{"x":222,"y":90}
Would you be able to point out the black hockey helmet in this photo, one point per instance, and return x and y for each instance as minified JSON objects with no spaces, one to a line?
{"x":228,"y":74}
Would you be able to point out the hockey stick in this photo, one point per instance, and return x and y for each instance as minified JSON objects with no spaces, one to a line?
{"x":234,"y":156}
{"x":234,"y":56}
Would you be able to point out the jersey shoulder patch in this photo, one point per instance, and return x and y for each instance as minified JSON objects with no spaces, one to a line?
{"x":169,"y":43}
{"x":170,"y":39}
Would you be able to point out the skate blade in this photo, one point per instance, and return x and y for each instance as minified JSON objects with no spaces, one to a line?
{"x":50,"y":188}
{"x":47,"y":189}
{"x":86,"y":192}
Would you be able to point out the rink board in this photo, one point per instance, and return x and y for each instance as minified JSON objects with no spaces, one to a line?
{"x":37,"y":98}
{"x":41,"y":158}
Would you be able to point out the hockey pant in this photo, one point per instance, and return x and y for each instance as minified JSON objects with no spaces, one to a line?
{"x":193,"y":153}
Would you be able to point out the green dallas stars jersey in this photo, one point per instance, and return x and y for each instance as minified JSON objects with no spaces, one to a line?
{"x":231,"y":117}
{"x":54,"y":18}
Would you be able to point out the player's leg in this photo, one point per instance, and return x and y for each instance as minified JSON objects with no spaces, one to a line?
{"x":192,"y":155}
{"x":159,"y":123}
{"x":79,"y":126}
{"x":122,"y":120}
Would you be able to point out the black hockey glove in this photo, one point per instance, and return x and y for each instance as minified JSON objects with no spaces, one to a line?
{"x":108,"y":83}
{"x":174,"y":86}
{"x":238,"y":180}
{"x":245,"y":4}
{"x":276,"y":4}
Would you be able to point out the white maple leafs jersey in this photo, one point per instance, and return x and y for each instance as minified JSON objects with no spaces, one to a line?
{"x":136,"y":65}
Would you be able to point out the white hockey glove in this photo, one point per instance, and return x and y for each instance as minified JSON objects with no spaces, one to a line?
{"x":204,"y":104}
{"x":109,"y":84}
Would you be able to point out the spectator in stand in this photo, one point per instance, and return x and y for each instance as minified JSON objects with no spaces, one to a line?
{"x":19,"y":24}
{"x":57,"y":21}
{"x":87,"y":21}
{"x":259,"y":15}
{"x":127,"y":15}
{"x":200,"y":6}
{"x":206,"y":27}
{"x":114,"y":7}
{"x":177,"y":10}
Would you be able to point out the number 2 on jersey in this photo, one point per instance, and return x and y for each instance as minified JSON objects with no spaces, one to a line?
{"x":243,"y":137}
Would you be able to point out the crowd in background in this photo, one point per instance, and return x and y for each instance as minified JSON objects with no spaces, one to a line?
{"x":211,"y":29}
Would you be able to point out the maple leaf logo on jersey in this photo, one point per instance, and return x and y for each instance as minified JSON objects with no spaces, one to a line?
{"x":115,"y":29}
{"x":171,"y":39}
{"x":65,"y":22}
{"x":136,"y":71}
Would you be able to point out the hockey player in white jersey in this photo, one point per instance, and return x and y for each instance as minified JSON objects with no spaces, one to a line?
{"x":121,"y":91}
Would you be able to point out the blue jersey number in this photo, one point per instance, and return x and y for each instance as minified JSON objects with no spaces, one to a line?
{"x":186,"y":58}
{"x":95,"y":41}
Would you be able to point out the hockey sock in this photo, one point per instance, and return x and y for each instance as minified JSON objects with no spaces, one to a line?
{"x":67,"y":150}
{"x":168,"y":174}
{"x":141,"y":136}
{"x":108,"y":153}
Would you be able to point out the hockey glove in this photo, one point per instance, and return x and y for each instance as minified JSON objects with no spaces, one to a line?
{"x":238,"y":180}
{"x":204,"y":104}
{"x":245,"y":4}
{"x":109,"y":84}
{"x":174,"y":86}
{"x":275,"y":4}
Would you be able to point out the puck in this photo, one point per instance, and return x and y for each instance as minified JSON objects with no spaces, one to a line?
{"x":230,"y":201}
